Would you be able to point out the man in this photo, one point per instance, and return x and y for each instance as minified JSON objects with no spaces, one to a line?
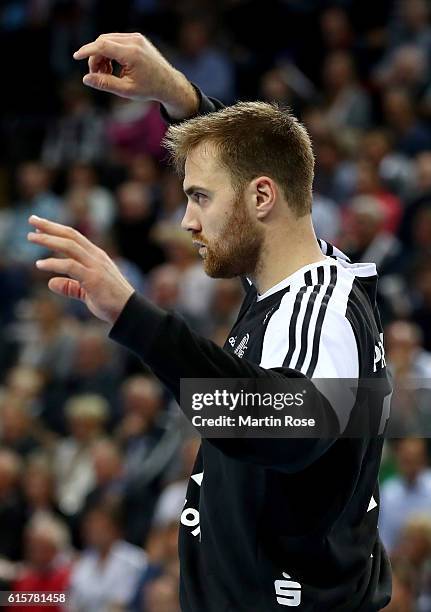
{"x":267,"y":524}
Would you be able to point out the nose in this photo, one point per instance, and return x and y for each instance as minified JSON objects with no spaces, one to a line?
{"x":190,"y":221}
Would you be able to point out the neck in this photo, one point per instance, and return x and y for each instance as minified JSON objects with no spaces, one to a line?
{"x":286,"y":251}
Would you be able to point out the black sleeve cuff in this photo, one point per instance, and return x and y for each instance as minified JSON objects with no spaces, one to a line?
{"x":206,"y":105}
{"x":137,"y":326}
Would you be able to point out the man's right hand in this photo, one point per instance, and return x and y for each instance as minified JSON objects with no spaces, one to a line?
{"x":145,"y":73}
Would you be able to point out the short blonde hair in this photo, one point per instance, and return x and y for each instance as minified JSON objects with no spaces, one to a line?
{"x":252,"y":139}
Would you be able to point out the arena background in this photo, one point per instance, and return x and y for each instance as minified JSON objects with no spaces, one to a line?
{"x":91,"y":453}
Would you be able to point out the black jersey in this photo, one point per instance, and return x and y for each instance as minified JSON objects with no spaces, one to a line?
{"x":271,"y":524}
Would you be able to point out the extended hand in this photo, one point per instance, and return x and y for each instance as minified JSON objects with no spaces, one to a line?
{"x":145,"y":73}
{"x":94,"y":278}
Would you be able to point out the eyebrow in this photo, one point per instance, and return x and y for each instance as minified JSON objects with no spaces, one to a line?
{"x":193,"y":188}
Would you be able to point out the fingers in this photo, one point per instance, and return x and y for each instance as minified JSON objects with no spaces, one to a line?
{"x":106,"y":82}
{"x":64,"y":246}
{"x":67,"y":287}
{"x":98,"y":63}
{"x":45,"y":226}
{"x":105,"y":47}
{"x":62,"y":266}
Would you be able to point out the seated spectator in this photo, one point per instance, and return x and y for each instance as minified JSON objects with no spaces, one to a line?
{"x":96,"y":368}
{"x":406,"y":494}
{"x":83,"y":186}
{"x":411,"y":136}
{"x":38,"y":487}
{"x":134,"y":128}
{"x":135,"y":219}
{"x":346,"y":102}
{"x":86,"y":418}
{"x":326,"y":218}
{"x":411,"y":26}
{"x":406,"y":68}
{"x":202,"y":62}
{"x":335,"y":174}
{"x":226,"y":301}
{"x":196,"y":288}
{"x":365,"y":238}
{"x":395,"y":169}
{"x":109,"y":474}
{"x":421,"y":314}
{"x":47,"y":563}
{"x":143,"y":426}
{"x":173,"y":201}
{"x":369,"y":183}
{"x":410,"y":366}
{"x":162,"y":595}
{"x":17,"y":427}
{"x":403,"y":588}
{"x":414,"y":550}
{"x":106,"y":574}
{"x":12,"y":511}
{"x":78,"y":134}
{"x":35,"y":198}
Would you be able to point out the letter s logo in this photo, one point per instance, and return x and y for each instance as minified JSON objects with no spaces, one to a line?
{"x":288,"y":592}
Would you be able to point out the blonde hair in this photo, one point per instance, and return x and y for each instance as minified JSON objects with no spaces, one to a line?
{"x":252,"y":139}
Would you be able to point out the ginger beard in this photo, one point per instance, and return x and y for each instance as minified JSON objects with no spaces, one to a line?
{"x":236,"y":251}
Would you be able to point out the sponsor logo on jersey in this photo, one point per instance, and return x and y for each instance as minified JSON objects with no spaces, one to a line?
{"x":288,"y":592}
{"x":190,"y":516}
{"x":379,"y":354}
{"x":232,"y":340}
{"x":242,"y":346}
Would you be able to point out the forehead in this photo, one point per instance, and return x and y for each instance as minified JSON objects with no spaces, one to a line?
{"x":203,"y":168}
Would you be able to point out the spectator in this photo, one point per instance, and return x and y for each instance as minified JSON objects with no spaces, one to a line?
{"x":38,"y":486}
{"x":411,"y":368}
{"x":17,"y":430}
{"x":407,"y":493}
{"x":86,"y":417}
{"x":347,"y":104}
{"x":395,"y":170}
{"x":106,"y":574}
{"x":12,"y":512}
{"x":78,"y":134}
{"x":411,"y":135}
{"x":134,"y":128}
{"x":95,"y":368}
{"x":34,"y":187}
{"x":365,"y":238}
{"x":202,"y":62}
{"x":162,"y":595}
{"x":414,"y":549}
{"x":421,"y":314}
{"x":48,"y":563}
{"x":97,"y":201}
{"x":133,"y":225}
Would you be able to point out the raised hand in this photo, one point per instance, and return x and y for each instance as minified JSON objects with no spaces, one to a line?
{"x":145,"y":73}
{"x":93,"y":277}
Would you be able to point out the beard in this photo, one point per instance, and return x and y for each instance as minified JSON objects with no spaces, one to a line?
{"x":237,"y":251}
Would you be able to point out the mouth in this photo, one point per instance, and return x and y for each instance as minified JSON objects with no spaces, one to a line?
{"x":202,"y":248}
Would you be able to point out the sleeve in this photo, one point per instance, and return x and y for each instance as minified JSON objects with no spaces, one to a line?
{"x":173,"y":351}
{"x":206,"y":105}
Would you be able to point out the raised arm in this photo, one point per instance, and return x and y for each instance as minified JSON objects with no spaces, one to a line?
{"x":145,"y":75}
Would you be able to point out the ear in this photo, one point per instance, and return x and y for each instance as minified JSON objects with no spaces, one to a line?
{"x":264,"y":192}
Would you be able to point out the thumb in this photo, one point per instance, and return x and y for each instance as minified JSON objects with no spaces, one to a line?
{"x":67,"y":287}
{"x":105,"y":82}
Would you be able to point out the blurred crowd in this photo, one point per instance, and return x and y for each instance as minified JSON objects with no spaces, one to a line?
{"x":94,"y":454}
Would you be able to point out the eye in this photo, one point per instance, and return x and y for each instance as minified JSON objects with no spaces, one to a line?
{"x":199,"y":197}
